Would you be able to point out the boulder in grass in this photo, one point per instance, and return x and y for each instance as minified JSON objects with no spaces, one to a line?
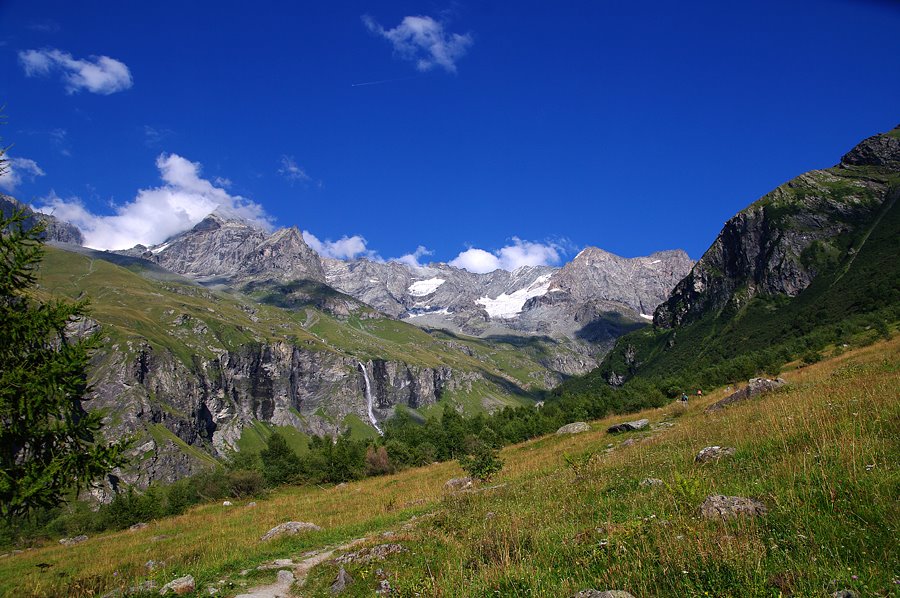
{"x":718,"y":506}
{"x":341,"y":582}
{"x":73,"y":541}
{"x":289,"y":529}
{"x":714,"y":454}
{"x":457,"y":484}
{"x":179,"y":587}
{"x":603,"y":594}
{"x":754,"y":388}
{"x":638,"y":424}
{"x":573,"y":428}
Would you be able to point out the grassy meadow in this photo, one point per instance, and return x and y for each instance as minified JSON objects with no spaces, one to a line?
{"x":569,"y":513}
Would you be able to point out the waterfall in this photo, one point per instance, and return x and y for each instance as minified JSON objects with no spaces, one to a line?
{"x":370,"y":399}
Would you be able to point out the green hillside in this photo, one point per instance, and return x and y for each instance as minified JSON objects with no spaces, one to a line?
{"x":856,"y":292}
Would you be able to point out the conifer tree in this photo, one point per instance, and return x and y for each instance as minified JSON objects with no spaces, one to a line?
{"x":49,"y":445}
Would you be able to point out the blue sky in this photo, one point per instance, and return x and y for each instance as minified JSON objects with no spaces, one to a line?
{"x":526,"y":130}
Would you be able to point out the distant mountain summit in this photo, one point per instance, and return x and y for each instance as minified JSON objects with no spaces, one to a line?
{"x":56,"y":230}
{"x":589,"y":299}
{"x":233,"y":251}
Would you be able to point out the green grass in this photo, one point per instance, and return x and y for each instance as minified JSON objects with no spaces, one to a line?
{"x":821,"y":454}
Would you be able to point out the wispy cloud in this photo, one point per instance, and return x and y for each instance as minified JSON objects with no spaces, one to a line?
{"x":18,"y":170}
{"x":412,"y":259}
{"x":44,"y":26}
{"x":156,"y":135}
{"x":422,"y":40}
{"x":519,"y":253}
{"x":345,"y":248}
{"x":97,"y":74}
{"x":292,"y":172}
{"x":155,"y":214}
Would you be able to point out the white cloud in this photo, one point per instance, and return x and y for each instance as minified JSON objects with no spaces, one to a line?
{"x":476,"y":260}
{"x":345,"y":248}
{"x":155,"y":214}
{"x":423,"y":40}
{"x":290,"y":171}
{"x":97,"y":74}
{"x":519,"y":253}
{"x":17,"y":170}
{"x":412,"y":259}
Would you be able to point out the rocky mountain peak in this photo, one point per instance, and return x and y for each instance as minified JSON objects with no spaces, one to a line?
{"x":878,"y":150}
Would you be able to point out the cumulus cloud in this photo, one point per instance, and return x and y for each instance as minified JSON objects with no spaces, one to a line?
{"x":345,"y":248}
{"x":519,"y":253}
{"x":412,"y":259}
{"x":291,"y":171}
{"x":154,"y":215}
{"x":96,"y":74}
{"x":422,"y":40}
{"x":18,"y":170}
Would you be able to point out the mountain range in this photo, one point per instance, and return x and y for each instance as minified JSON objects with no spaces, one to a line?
{"x":226,"y":332}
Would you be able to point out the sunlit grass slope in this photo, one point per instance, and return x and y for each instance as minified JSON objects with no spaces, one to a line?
{"x":822,"y":454}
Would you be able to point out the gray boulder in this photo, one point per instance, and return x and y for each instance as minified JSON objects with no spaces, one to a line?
{"x":289,"y":529}
{"x":652,"y":482}
{"x":341,"y":582}
{"x":718,"y":506}
{"x":179,"y":587}
{"x":603,"y":594}
{"x":73,"y":541}
{"x":714,"y":454}
{"x":573,"y":428}
{"x":639,"y":424}
{"x":845,"y":594}
{"x":754,"y":388}
{"x":457,"y":484}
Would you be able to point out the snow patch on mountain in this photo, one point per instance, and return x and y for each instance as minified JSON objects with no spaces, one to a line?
{"x":510,"y":305}
{"x":422,"y":288}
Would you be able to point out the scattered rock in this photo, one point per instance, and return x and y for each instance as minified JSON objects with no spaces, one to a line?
{"x":179,"y":587}
{"x":718,"y":506}
{"x":845,"y":594}
{"x":384,"y":587}
{"x":603,"y":594}
{"x":639,"y":424}
{"x":365,"y":555}
{"x":227,"y":503}
{"x":652,"y":482}
{"x":662,"y":426}
{"x":630,"y":442}
{"x":714,"y":453}
{"x":251,"y":504}
{"x":490,"y":515}
{"x":289,"y":529}
{"x":341,"y":582}
{"x":755,"y":387}
{"x":138,"y":526}
{"x":573,"y":428}
{"x":457,"y":484}
{"x":152,"y":565}
{"x":73,"y":541}
{"x":388,"y":534}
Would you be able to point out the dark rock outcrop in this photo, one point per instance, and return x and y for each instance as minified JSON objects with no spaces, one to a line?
{"x":55,"y":230}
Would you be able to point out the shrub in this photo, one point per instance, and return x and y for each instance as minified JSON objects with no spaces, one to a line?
{"x":480,"y":461}
{"x":245,"y":482}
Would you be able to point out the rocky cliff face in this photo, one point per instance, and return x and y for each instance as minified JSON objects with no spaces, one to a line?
{"x":205,"y":406}
{"x":777,"y":245}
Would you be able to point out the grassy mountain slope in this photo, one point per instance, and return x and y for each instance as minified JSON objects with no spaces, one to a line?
{"x":820,"y":453}
{"x":174,"y":314}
